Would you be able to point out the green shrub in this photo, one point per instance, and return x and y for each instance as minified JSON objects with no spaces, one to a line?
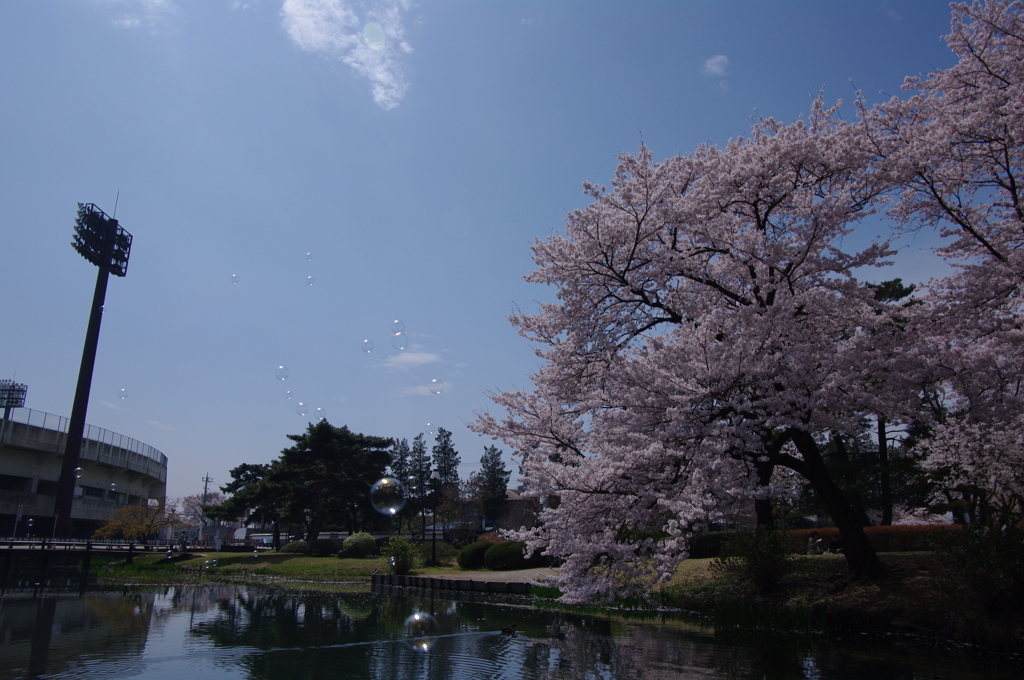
{"x":399,"y":555}
{"x":322,"y":547}
{"x":294,"y":547}
{"x":446,"y":553}
{"x":762,"y":557}
{"x":990,"y":563}
{"x":359,"y":544}
{"x":472,"y":556}
{"x":508,"y":556}
{"x":708,"y":543}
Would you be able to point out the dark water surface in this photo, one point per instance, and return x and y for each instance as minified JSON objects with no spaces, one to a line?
{"x":194,"y":632}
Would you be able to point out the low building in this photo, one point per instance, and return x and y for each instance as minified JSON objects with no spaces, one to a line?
{"x":115,"y":471}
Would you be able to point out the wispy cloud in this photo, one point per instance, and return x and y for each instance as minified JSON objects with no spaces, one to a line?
{"x":716,"y":66}
{"x":157,"y":423}
{"x":370,"y":39}
{"x":420,"y":391}
{"x":411,"y":358}
{"x":155,"y":16}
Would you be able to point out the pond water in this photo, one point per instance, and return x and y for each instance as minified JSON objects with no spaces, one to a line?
{"x":195,"y":632}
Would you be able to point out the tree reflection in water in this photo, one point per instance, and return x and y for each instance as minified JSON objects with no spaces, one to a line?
{"x":266,"y":634}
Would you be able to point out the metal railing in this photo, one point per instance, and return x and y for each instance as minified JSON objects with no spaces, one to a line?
{"x":54,"y":423}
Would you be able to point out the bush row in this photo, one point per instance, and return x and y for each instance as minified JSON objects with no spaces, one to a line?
{"x":505,"y":556}
{"x":883,"y":539}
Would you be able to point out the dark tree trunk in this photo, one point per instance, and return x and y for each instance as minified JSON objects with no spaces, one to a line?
{"x":883,"y":472}
{"x":860,"y":554}
{"x":763,"y":506}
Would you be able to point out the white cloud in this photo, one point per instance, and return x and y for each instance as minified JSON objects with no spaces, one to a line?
{"x":156,"y":16}
{"x":371,"y":41}
{"x":420,"y":391}
{"x":157,"y":423}
{"x":410,"y":358}
{"x":716,"y":66}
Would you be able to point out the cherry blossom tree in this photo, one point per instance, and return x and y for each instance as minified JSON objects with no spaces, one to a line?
{"x":708,"y":330}
{"x":955,"y":151}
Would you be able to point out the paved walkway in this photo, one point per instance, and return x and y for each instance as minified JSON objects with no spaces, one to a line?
{"x":538,"y":575}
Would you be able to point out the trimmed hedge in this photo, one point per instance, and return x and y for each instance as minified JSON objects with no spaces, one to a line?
{"x":914,"y":538}
{"x":359,"y":544}
{"x":472,"y":556}
{"x":294,"y":547}
{"x":508,"y":556}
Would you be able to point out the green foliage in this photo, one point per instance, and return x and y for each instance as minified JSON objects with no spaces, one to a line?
{"x":294,"y":547}
{"x":400,"y":555}
{"x":472,"y":556}
{"x":360,"y":544}
{"x":446,"y":458}
{"x":322,"y":547}
{"x":985,"y":566}
{"x":709,"y":543}
{"x":762,"y":557}
{"x":509,"y":556}
{"x":492,"y":482}
{"x":446,"y":552}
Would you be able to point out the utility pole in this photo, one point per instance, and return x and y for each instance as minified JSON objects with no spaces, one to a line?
{"x":206,"y":486}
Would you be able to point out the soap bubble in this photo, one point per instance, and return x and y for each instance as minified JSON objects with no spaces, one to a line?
{"x":288,"y":394}
{"x":78,"y":472}
{"x":113,"y":487}
{"x":373,"y":35}
{"x":412,"y":482}
{"x":301,"y":408}
{"x":420,"y":631}
{"x":234,"y":278}
{"x":397,"y":327}
{"x":309,"y":257}
{"x":123,"y":393}
{"x":310,"y":280}
{"x":281,"y":373}
{"x":387,"y":496}
{"x":436,"y":386}
{"x":398,"y":341}
{"x":319,"y":414}
{"x":367,"y":346}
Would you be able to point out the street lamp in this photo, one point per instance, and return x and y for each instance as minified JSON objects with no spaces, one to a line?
{"x":434,"y":477}
{"x":102,"y":241}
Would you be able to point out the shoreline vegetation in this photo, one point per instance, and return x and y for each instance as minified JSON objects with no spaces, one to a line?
{"x":912,"y":597}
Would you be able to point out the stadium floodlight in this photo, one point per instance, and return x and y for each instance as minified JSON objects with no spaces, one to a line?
{"x":102,"y":241}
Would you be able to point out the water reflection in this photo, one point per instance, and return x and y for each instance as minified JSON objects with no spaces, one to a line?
{"x":265,"y":634}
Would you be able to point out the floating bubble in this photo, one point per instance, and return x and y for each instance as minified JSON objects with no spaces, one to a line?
{"x":412,"y":482}
{"x":397,"y":327}
{"x":288,"y":394}
{"x":301,"y":409}
{"x":398,"y":341}
{"x":436,"y":386}
{"x":123,"y":393}
{"x":113,"y":487}
{"x":78,"y":472}
{"x":281,"y":373}
{"x":310,"y":280}
{"x":421,"y":631}
{"x":319,"y":414}
{"x":234,"y":278}
{"x":373,"y":35}
{"x":309,"y":257}
{"x":387,"y":496}
{"x":367,"y":346}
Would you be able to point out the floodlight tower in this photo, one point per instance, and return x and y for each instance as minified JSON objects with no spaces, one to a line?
{"x":12,"y":395}
{"x":102,"y":241}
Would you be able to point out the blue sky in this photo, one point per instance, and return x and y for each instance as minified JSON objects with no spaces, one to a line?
{"x":404,"y":155}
